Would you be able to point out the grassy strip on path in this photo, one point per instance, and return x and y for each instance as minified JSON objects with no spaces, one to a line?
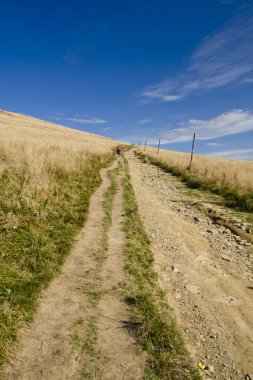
{"x":37,"y":233}
{"x":156,"y":329}
{"x":86,"y":341}
{"x":232,"y":196}
{"x":107,"y":205}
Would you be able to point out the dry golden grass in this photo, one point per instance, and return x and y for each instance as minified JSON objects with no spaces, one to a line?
{"x":225,"y":172}
{"x":43,"y":147}
{"x":47,"y":175}
{"x":30,"y":135}
{"x":233,"y":179}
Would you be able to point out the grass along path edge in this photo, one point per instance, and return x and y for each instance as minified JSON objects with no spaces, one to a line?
{"x":232,"y":196}
{"x":36,"y":236}
{"x":153,"y":323}
{"x":85,"y":340}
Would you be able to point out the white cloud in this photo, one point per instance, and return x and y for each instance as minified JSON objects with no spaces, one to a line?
{"x":241,"y":154}
{"x":223,"y":57}
{"x":240,"y":4}
{"x":105,"y":130}
{"x":247,"y":80}
{"x":87,"y":120}
{"x":92,"y":120}
{"x":214,"y":144}
{"x":159,"y":92}
{"x":229,"y":123}
{"x":144,"y":121}
{"x":227,"y":2}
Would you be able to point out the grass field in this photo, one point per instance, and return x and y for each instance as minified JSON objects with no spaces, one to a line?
{"x":233,"y":179}
{"x":47,"y":175}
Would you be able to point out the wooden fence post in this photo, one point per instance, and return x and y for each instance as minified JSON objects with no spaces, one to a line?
{"x":145,"y":145}
{"x":158,"y":146}
{"x":193,"y":143}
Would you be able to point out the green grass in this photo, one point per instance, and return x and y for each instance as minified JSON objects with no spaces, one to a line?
{"x":108,"y":203}
{"x":36,"y":235}
{"x":84,"y":340}
{"x":155,"y":327}
{"x":232,"y":197}
{"x":92,"y":288}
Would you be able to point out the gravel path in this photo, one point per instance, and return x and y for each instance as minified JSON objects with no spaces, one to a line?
{"x":205,"y":270}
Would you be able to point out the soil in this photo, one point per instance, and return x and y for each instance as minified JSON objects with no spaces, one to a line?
{"x":121,"y":358}
{"x":205,"y":270}
{"x":45,"y":350}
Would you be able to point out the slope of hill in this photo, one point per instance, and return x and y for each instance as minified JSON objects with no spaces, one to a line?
{"x":233,"y":179}
{"x":18,"y":128}
{"x":204,"y":269}
{"x":126,"y":266}
{"x":47,"y":175}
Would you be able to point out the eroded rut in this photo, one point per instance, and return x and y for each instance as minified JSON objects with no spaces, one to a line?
{"x":206,"y":275}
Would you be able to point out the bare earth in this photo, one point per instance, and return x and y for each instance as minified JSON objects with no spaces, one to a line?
{"x":47,"y":348}
{"x":205,"y":271}
{"x":206,"y":274}
{"x":121,"y":357}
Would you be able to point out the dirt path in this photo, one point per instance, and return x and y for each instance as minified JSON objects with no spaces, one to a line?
{"x":80,"y":330}
{"x":205,"y":271}
{"x":120,"y":356}
{"x":64,"y":339}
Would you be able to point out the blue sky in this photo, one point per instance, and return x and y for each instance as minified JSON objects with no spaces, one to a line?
{"x":134,"y":70}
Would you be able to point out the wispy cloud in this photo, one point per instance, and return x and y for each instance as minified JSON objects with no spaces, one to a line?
{"x":105,"y":130}
{"x":240,"y":4}
{"x":92,"y":120}
{"x":144,"y":121}
{"x":227,"y":2}
{"x":224,"y":57}
{"x":89,"y":121}
{"x":247,"y":80}
{"x":241,"y":154}
{"x":229,"y":123}
{"x":214,"y":144}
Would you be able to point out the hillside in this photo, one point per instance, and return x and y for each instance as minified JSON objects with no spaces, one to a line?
{"x":18,"y":128}
{"x":204,"y":267}
{"x":48,"y":174}
{"x":230,"y":178}
{"x":127,"y":267}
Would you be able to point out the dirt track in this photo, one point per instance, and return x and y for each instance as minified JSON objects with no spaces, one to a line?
{"x":78,"y":331}
{"x":205,"y":273}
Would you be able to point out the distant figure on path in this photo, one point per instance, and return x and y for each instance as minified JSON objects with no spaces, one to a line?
{"x":118,"y":150}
